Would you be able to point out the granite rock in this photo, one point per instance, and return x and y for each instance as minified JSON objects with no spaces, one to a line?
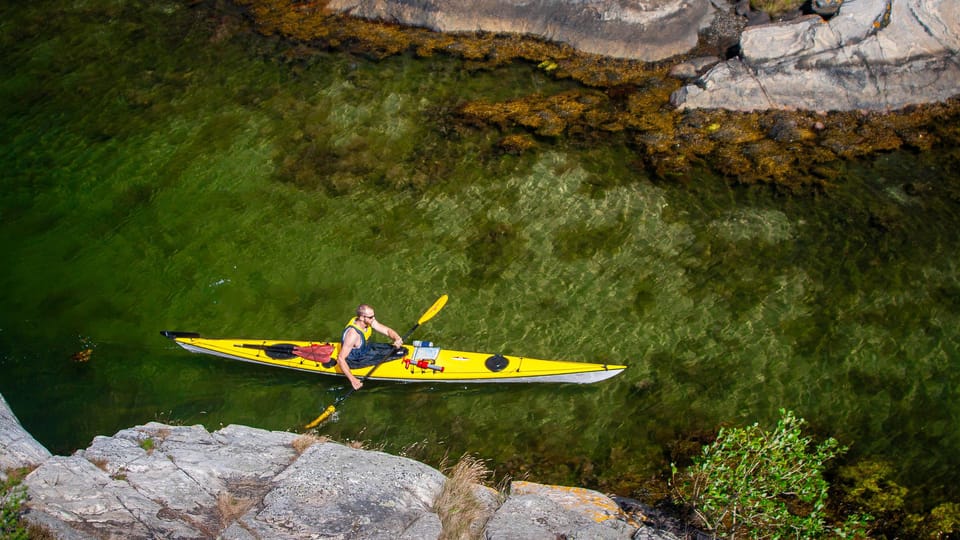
{"x":646,"y":30}
{"x":163,"y":481}
{"x":872,"y":55}
{"x":17,"y":447}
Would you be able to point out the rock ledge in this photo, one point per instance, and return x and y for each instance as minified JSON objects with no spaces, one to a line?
{"x":162,"y":481}
{"x":647,"y":30}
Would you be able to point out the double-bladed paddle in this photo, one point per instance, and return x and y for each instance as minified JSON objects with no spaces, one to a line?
{"x":427,"y":315}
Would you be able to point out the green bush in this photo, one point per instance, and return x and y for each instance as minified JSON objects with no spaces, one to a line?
{"x":11,"y":501}
{"x":753,"y":483}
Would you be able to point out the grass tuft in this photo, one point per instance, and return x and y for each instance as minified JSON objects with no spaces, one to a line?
{"x":301,"y":443}
{"x":462,"y":515}
{"x":148,"y":445}
{"x":231,"y":508}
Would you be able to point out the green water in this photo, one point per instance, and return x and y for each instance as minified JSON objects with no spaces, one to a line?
{"x":162,"y":168}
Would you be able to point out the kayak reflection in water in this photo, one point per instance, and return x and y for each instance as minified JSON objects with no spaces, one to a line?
{"x":355,"y":347}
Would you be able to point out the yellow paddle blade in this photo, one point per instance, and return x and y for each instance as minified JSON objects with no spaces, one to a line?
{"x":323,"y":416}
{"x":434,"y":309}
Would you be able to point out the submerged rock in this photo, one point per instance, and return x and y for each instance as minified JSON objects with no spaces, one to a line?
{"x":873,"y":54}
{"x":693,"y":67}
{"x":826,"y":7}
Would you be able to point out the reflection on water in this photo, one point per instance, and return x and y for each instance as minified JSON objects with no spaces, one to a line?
{"x":163,"y":169}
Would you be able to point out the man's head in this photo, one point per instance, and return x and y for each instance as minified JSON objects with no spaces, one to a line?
{"x":366,"y":313}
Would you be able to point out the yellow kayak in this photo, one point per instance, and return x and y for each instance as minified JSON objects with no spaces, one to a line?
{"x":420,"y":362}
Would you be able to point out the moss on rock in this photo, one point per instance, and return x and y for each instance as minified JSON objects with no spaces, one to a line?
{"x":792,"y":148}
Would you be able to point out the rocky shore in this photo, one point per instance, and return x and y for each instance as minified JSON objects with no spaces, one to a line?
{"x":163,"y":481}
{"x":872,"y":55}
{"x":649,"y":30}
{"x":869,"y":55}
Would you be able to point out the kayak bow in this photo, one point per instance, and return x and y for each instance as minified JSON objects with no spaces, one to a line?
{"x":421,"y":362}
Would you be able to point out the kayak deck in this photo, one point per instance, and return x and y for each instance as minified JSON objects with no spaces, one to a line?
{"x":419,"y":363}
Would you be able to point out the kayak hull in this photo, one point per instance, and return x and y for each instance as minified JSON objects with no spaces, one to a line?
{"x":418,"y":364}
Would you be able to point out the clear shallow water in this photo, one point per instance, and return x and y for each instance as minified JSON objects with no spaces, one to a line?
{"x":163,"y":169}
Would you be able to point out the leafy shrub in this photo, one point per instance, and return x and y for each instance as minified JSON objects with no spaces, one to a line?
{"x":11,"y":501}
{"x":752,"y":483}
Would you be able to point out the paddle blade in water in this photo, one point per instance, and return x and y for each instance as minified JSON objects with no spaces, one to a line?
{"x":323,"y":416}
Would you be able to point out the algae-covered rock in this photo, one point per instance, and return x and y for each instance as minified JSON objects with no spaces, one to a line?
{"x":632,"y":99}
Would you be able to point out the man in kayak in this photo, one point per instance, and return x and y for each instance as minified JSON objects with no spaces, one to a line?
{"x":355,"y":346}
